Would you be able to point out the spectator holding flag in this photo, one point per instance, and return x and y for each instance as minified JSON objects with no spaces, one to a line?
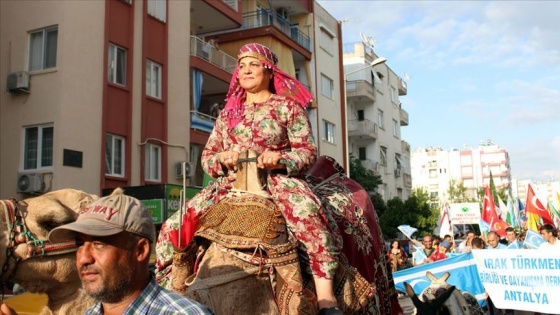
{"x":511,"y":238}
{"x":441,"y":251}
{"x":550,"y":235}
{"x":423,"y":250}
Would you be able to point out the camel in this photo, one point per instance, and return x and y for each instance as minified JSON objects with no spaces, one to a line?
{"x":31,"y":260}
{"x":440,"y":298}
{"x":244,"y":261}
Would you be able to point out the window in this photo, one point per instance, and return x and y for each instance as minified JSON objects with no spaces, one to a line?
{"x":326,"y":40}
{"x":158,"y":9}
{"x":153,"y":79}
{"x":152,"y":166}
{"x":393,"y":95}
{"x":395,"y":128}
{"x":38,"y":147}
{"x":383,"y":156}
{"x":114,"y":155}
{"x":329,"y":131}
{"x":42,"y":49}
{"x":398,"y":161}
{"x":117,"y":65}
{"x":380,"y":119}
{"x":327,"y":86}
{"x":362,"y":153}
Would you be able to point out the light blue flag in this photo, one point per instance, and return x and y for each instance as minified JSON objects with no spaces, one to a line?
{"x":407,"y":230}
{"x":533,"y":240}
{"x":514,"y":245}
{"x":462,"y":270}
{"x":419,"y":255}
{"x":484,"y":227}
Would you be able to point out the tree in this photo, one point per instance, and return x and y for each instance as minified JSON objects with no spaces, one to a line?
{"x":458,"y":193}
{"x":364,"y":176}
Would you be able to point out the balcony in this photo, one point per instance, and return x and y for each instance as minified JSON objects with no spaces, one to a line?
{"x":211,"y":15}
{"x":360,"y":91}
{"x":362,"y":129}
{"x":370,"y":165}
{"x":263,"y":18}
{"x":218,"y":58}
{"x":407,"y":180}
{"x":402,"y":87}
{"x":403,"y":117}
{"x":405,"y":148}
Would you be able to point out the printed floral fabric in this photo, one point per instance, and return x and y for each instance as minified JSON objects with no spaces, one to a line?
{"x":279,"y":125}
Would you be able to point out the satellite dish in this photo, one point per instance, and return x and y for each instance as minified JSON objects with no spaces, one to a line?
{"x":406,"y":78}
{"x":367,"y":40}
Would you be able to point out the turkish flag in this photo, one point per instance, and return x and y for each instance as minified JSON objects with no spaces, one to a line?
{"x":534,"y":205}
{"x":490,"y":215}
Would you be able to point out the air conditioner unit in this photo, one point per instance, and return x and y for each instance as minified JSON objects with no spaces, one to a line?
{"x":18,"y":82}
{"x":30,"y":183}
{"x":189,"y":170}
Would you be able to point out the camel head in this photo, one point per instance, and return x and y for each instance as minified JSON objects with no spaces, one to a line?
{"x":430,"y":307}
{"x":24,"y":227}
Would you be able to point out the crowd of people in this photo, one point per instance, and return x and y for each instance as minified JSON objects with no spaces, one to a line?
{"x":433,"y":248}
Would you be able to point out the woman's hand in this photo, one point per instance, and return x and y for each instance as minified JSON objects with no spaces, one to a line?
{"x":270,"y":160}
{"x":229,"y":160}
{"x":6,"y":310}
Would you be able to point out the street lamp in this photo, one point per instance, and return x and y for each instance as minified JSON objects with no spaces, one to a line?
{"x":375,"y":62}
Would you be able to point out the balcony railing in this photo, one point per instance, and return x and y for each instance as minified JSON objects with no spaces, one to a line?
{"x":213,"y":55}
{"x":360,"y":128}
{"x":402,"y":87}
{"x":405,"y":146}
{"x":371,"y":165}
{"x":360,"y":88}
{"x":262,"y":18}
{"x":202,"y":122}
{"x":404,"y":117}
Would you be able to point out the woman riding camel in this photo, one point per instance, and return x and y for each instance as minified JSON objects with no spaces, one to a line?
{"x":265,"y":112}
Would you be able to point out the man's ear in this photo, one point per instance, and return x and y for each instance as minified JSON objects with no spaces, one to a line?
{"x":143,"y":249}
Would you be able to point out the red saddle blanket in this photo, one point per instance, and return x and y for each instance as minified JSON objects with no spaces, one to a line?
{"x":363,"y":244}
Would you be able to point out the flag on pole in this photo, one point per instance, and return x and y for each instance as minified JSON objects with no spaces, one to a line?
{"x":521,"y":214}
{"x":503,"y":213}
{"x":484,"y":227}
{"x":444,"y":223}
{"x":534,"y":205}
{"x":553,"y":213}
{"x":512,"y":213}
{"x":533,"y":221}
{"x":489,"y":214}
{"x":533,"y":240}
{"x":407,"y":230}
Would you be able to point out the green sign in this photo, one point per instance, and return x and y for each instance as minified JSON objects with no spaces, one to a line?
{"x":173,"y":198}
{"x":155,"y":206}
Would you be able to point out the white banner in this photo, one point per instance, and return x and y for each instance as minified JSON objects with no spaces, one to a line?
{"x":521,"y":279}
{"x":464,"y":213}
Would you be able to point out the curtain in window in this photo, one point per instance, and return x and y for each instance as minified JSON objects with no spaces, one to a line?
{"x":108,"y":154}
{"x":47,"y":147}
{"x":36,"y":51}
{"x":50,"y":48}
{"x":31,"y":144}
{"x":121,"y":66}
{"x":197,"y":88}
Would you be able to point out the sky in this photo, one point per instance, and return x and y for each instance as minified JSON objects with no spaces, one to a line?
{"x":478,"y":71}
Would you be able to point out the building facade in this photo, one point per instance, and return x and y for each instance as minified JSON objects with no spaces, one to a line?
{"x":434,"y":169}
{"x":375,"y":118}
{"x":118,"y":93}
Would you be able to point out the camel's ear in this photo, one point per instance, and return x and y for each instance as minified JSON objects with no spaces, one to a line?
{"x":431,"y":276}
{"x":438,"y":302}
{"x":410,"y":291}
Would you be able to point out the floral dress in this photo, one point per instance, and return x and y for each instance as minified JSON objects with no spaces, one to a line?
{"x":280,"y":125}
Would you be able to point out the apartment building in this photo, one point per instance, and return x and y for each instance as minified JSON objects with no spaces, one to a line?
{"x":375,"y":118}
{"x":434,"y":168}
{"x":117,"y":93}
{"x":546,"y":191}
